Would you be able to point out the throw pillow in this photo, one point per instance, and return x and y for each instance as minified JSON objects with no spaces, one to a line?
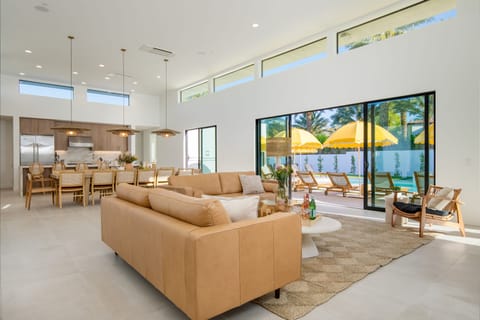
{"x":251,"y":184}
{"x":445,"y":195}
{"x":239,"y":208}
{"x":135,"y":194}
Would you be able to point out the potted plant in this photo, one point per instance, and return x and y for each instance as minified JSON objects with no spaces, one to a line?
{"x":126,"y":158}
{"x":282,"y":174}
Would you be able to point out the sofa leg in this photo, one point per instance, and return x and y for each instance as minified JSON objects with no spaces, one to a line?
{"x":277,"y":293}
{"x":116,"y":253}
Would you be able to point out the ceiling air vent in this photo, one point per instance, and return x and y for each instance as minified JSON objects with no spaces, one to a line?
{"x":155,"y":50}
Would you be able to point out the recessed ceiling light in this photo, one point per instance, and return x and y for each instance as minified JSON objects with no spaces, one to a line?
{"x":21,"y":73}
{"x":38,"y":66}
{"x":255,"y":25}
{"x":158,"y":77}
{"x":135,"y":83}
{"x":75,"y":72}
{"x":28,"y":51}
{"x":107,"y":78}
{"x":83,"y":83}
{"x":101,"y":65}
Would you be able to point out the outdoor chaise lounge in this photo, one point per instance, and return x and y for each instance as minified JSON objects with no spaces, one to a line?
{"x":341,"y":183}
{"x":382,"y":182}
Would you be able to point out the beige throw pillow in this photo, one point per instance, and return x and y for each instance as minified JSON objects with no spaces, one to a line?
{"x":239,"y":208}
{"x":251,"y":184}
{"x":444,"y":196}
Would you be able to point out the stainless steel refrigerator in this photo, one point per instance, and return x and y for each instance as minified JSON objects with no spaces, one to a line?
{"x":37,"y":148}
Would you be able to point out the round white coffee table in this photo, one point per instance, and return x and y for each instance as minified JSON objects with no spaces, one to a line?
{"x":323,"y":225}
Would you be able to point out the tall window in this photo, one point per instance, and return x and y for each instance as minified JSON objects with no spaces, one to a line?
{"x":234,"y":78}
{"x":396,"y":23}
{"x":193,"y":92}
{"x":107,"y":97}
{"x":45,"y":89}
{"x":295,"y":57}
{"x":201,"y":149}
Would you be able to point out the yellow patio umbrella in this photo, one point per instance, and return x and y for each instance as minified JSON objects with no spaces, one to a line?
{"x":420,"y":139}
{"x":302,"y":141}
{"x":351,"y":136}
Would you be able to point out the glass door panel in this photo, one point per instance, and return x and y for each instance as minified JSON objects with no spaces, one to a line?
{"x":396,"y":153}
{"x":273,"y":144}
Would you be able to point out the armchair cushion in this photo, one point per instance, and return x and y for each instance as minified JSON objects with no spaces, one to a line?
{"x":414,"y":208}
{"x":441,"y":199}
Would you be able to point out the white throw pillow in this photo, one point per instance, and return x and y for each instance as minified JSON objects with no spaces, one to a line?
{"x":439,"y":204}
{"x":239,"y":208}
{"x":251,"y":184}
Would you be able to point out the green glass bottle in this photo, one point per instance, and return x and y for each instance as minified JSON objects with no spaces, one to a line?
{"x":312,"y":208}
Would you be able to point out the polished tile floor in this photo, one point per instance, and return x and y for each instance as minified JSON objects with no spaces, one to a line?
{"x":54,"y":266}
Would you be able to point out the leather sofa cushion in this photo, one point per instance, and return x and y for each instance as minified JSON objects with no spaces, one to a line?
{"x":230,"y":181}
{"x":134,"y":194}
{"x":209,"y":183}
{"x":197,"y":211}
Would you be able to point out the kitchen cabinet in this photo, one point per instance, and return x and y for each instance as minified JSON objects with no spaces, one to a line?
{"x":36,"y":126}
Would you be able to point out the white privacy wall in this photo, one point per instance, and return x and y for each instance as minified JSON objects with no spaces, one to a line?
{"x":443,"y":58}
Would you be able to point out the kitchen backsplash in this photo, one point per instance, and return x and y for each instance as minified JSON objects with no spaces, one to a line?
{"x":75,"y":155}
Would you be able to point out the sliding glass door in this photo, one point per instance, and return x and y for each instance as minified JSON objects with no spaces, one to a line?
{"x":273,"y":149}
{"x":201,"y":149}
{"x":399,"y":147}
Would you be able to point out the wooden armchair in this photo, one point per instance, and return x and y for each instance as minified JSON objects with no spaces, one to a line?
{"x":30,"y":190}
{"x":440,"y":205}
{"x":341,"y":183}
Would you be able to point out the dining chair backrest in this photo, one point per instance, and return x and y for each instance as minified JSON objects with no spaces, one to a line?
{"x":163,"y":174}
{"x":58,"y":166}
{"x":125,"y":176}
{"x":36,"y":169}
{"x":71,"y":179}
{"x":185,"y":172}
{"x":146,"y":177}
{"x":102,"y":177}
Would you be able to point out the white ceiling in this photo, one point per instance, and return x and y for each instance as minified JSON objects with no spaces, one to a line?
{"x":207,"y":36}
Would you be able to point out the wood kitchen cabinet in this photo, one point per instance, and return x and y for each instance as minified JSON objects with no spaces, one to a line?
{"x":102,"y":140}
{"x":36,"y":126}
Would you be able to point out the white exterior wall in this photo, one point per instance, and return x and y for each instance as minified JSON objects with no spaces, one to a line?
{"x":441,"y":58}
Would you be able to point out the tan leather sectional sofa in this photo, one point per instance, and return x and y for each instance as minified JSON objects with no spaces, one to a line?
{"x":222,"y":184}
{"x":191,"y":252}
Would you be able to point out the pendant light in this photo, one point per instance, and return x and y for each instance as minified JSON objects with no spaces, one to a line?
{"x":123,"y":131}
{"x":166,"y":132}
{"x":70,"y":130}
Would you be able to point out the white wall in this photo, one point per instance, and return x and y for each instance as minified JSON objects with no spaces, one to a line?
{"x":6,"y":159}
{"x":441,"y":58}
{"x":144,"y":112}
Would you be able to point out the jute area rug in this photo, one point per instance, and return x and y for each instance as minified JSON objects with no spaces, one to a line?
{"x":346,"y":256}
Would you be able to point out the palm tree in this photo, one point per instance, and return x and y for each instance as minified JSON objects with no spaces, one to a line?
{"x":311,"y":121}
{"x":345,"y":115}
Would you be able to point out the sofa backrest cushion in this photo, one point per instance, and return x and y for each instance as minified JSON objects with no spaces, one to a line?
{"x":209,"y":183}
{"x":134,"y":194}
{"x":197,"y":211}
{"x":230,"y":181}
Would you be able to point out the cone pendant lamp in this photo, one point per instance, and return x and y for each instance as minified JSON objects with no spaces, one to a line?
{"x":123,"y":131}
{"x":166,"y":132}
{"x":70,"y":130}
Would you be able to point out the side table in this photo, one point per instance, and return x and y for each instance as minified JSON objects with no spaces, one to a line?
{"x":389,"y":208}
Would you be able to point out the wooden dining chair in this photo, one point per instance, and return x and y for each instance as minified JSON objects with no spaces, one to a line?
{"x":185,"y":172}
{"x":30,"y":190}
{"x":36,"y":169}
{"x":440,"y":205}
{"x":124,"y":176}
{"x":146,"y":178}
{"x":163,"y":173}
{"x":72,"y":182}
{"x":81,"y":166}
{"x":103,"y":182}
